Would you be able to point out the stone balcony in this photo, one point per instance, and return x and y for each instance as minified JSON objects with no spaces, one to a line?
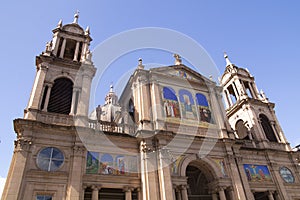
{"x":111,"y":127}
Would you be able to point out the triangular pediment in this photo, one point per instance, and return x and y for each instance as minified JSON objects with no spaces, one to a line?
{"x":181,"y":72}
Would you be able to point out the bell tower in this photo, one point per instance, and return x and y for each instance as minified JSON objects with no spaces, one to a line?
{"x":64,"y":74}
{"x":250,"y":113}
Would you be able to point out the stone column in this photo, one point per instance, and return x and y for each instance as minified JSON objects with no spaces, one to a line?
{"x":128,"y":195}
{"x":76,"y":51}
{"x":62,"y":50}
{"x":214,"y":196}
{"x":16,"y":170}
{"x":37,"y":88}
{"x":56,"y":43}
{"x":226,"y":100}
{"x":139,"y":194}
{"x":157,"y":109}
{"x":272,"y":123}
{"x":237,"y":95}
{"x":76,"y":172}
{"x":184,"y":193}
{"x":95,"y":192}
{"x":47,"y":97}
{"x":231,"y":192}
{"x":177,"y":193}
{"x":83,"y":192}
{"x":164,"y":176}
{"x":270,"y":195}
{"x":222,"y":193}
{"x":75,"y":100}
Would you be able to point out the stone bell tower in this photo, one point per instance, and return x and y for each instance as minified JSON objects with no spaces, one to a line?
{"x":47,"y":142}
{"x":64,"y":74}
{"x":250,"y":113}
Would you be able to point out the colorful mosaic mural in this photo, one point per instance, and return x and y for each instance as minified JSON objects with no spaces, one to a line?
{"x":175,"y":165}
{"x":110,"y":164}
{"x":257,"y":172}
{"x":192,"y":109}
{"x":221,"y":165}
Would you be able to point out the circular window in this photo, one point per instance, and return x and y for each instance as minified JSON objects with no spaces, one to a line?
{"x":50,"y":159}
{"x":287,"y":175}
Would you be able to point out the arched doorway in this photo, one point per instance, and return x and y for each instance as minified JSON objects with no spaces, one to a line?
{"x":198,"y":184}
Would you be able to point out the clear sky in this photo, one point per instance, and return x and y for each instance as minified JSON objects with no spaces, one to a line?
{"x":260,"y":35}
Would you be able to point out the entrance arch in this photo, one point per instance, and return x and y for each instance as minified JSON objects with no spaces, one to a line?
{"x":198,"y":188}
{"x":202,"y":175}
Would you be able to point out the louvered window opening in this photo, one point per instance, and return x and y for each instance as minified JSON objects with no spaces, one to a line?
{"x":61,"y":96}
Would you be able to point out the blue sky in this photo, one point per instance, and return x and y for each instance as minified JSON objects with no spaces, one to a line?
{"x":260,"y":35}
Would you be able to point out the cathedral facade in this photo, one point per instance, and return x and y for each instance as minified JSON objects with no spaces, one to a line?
{"x":168,"y":137}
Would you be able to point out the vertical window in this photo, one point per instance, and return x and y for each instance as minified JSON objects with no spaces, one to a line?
{"x":131,"y":110}
{"x":44,"y":97}
{"x":61,"y":96}
{"x":70,"y":49}
{"x":267,"y":127}
{"x":248,"y":90}
{"x":79,"y":52}
{"x":231,"y":94}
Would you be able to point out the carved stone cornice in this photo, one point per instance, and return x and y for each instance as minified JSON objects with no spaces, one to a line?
{"x":22,"y":144}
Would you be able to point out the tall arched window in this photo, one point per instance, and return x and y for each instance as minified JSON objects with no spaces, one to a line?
{"x":265,"y":123}
{"x":61,"y":96}
{"x":241,"y":130}
{"x":131,"y":109}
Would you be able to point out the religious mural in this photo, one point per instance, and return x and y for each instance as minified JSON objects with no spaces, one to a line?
{"x":110,"y":164}
{"x":175,"y":165}
{"x":171,"y":104}
{"x":221,"y":165}
{"x":203,"y":108}
{"x":187,"y":105}
{"x":92,"y":162}
{"x":192,"y":109}
{"x":257,"y":172}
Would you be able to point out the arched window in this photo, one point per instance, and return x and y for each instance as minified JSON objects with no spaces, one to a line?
{"x":131,"y":109}
{"x":241,"y":130}
{"x":265,"y":123}
{"x":61,"y":96}
{"x":70,"y":49}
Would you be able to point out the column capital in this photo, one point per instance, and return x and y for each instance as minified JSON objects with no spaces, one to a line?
{"x":128,"y":188}
{"x":96,"y":187}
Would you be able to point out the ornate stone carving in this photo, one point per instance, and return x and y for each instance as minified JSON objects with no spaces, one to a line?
{"x":22,"y":144}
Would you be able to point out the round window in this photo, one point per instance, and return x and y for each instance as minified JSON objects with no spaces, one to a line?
{"x":50,"y":159}
{"x":287,"y":175}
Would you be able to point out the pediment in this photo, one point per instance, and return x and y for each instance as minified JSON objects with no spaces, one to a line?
{"x":181,"y":72}
{"x":73,"y":28}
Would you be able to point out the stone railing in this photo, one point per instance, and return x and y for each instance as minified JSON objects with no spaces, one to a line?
{"x":111,"y":127}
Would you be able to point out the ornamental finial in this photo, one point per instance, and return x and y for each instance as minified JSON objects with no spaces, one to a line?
{"x":141,"y":66}
{"x":227,"y":59}
{"x":59,"y":25}
{"x":76,"y":16}
{"x":177,"y":59}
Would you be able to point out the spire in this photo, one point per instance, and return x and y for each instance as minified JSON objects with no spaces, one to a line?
{"x":227,"y":59}
{"x":111,"y":90}
{"x":59,"y":25}
{"x":76,"y":16}
{"x":177,"y":59}
{"x":87,"y":30}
